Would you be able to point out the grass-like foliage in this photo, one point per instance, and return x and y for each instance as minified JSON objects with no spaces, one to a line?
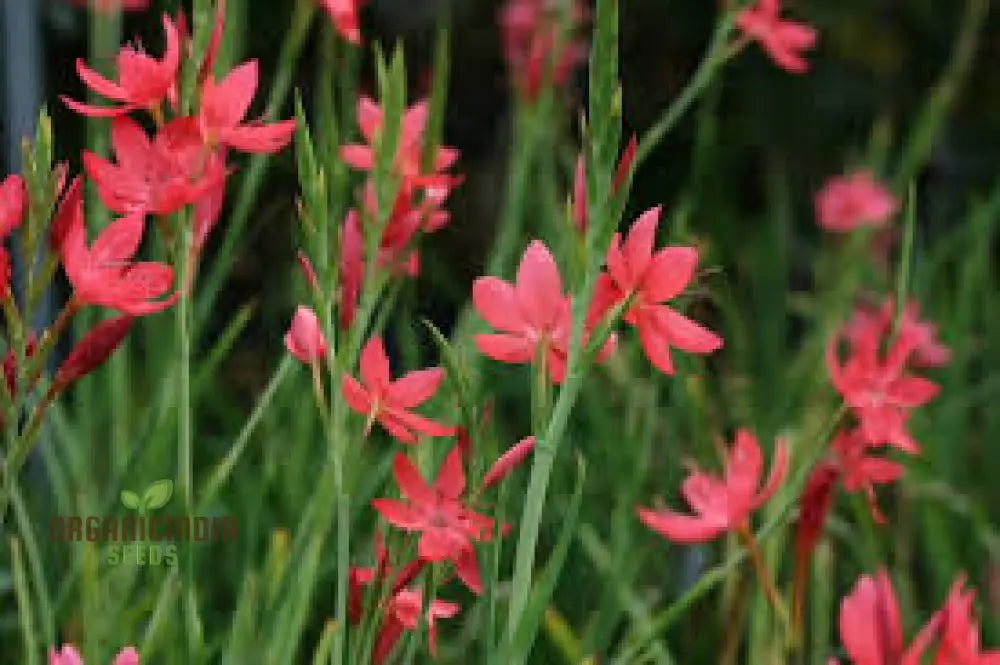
{"x":650,"y":431}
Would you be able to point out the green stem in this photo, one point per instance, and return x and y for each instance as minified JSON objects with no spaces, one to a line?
{"x":545,"y":450}
{"x":337,"y":437}
{"x":184,"y":440}
{"x":718,"y":53}
{"x":906,"y":256}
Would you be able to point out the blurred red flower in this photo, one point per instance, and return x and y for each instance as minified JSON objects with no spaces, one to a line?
{"x":783,"y":41}
{"x":721,"y":504}
{"x":854,"y":200}
{"x":344,"y":16}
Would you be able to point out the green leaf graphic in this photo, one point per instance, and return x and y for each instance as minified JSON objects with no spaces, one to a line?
{"x":130,"y":499}
{"x":158,"y":494}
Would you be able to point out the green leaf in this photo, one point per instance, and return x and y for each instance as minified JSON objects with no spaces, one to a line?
{"x":516,"y":651}
{"x":130,"y":499}
{"x":158,"y":494}
{"x":456,"y":373}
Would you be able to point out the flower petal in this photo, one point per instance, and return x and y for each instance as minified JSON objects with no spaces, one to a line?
{"x":506,"y":348}
{"x":638,"y":247}
{"x":496,"y":301}
{"x":539,"y":287}
{"x":411,"y":484}
{"x":374,"y":366}
{"x":450,"y":480}
{"x":414,"y":388}
{"x":670,"y":271}
{"x":678,"y":528}
{"x":355,"y":395}
{"x":400,"y":514}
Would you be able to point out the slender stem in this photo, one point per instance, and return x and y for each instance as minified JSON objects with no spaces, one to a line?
{"x":905,"y":257}
{"x":719,"y":51}
{"x":763,"y":572}
{"x":541,"y":469}
{"x":50,"y":336}
{"x":184,"y":440}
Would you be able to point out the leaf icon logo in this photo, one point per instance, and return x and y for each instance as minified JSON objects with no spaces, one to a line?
{"x":130,"y":499}
{"x":156,"y":496}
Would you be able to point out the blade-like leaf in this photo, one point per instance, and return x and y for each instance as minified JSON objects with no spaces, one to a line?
{"x":516,"y":651}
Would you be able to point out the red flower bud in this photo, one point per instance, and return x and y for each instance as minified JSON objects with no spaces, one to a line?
{"x":92,"y":350}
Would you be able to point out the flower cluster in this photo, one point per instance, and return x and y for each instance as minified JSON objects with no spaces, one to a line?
{"x":880,"y":390}
{"x":184,"y":162}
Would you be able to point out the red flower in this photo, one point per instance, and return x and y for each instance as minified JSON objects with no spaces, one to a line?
{"x":304,"y":338}
{"x":143,"y":82}
{"x":868,"y":325}
{"x":225,"y":104}
{"x":104,"y":274}
{"x":862,"y":471}
{"x":721,"y":504}
{"x":851,"y":201}
{"x":783,"y":41}
{"x":507,"y":462}
{"x":531,"y":314}
{"x":446,"y":526}
{"x":531,"y":42}
{"x":408,"y":149}
{"x":878,"y":390}
{"x":12,"y":200}
{"x":402,"y":612}
{"x":344,"y":16}
{"x":157,"y":176}
{"x":959,"y":644}
{"x":396,"y":250}
{"x":653,"y":278}
{"x":380,"y":398}
{"x":870,"y":628}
